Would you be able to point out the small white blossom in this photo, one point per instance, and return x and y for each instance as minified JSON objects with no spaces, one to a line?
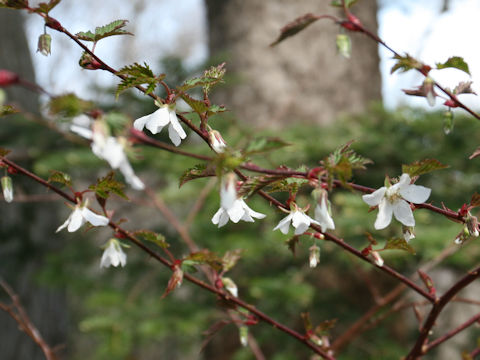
{"x":300,"y":221}
{"x":216,"y":141}
{"x":109,"y":148}
{"x":408,"y":234}
{"x":314,"y":257}
{"x":231,"y":207}
{"x":7,"y":188}
{"x":80,"y":215}
{"x":322,"y":215}
{"x":156,"y":121}
{"x":113,"y":255}
{"x":393,"y":201}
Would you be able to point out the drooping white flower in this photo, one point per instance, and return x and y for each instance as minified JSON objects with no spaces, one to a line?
{"x":7,"y":188}
{"x":111,"y":149}
{"x":300,"y":221}
{"x":157,"y":120}
{"x":231,"y":207}
{"x":216,"y":141}
{"x":80,"y":215}
{"x":393,"y":201}
{"x":113,"y":255}
{"x":314,"y":257}
{"x":322,"y":213}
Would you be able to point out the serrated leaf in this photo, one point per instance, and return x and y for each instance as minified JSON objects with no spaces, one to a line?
{"x":46,"y":7}
{"x":456,"y":62}
{"x":69,"y":105}
{"x":230,"y":259}
{"x":207,"y":81}
{"x":215,"y":109}
{"x":196,"y":172}
{"x":399,"y":244}
{"x":295,"y":27}
{"x":422,"y":167}
{"x":8,"y":110}
{"x":153,"y":237}
{"x":107,"y":185}
{"x":475,"y":200}
{"x":135,"y":75}
{"x":60,"y":177}
{"x":111,"y":29}
{"x":405,"y":63}
{"x":265,"y":144}
{"x":14,"y":4}
{"x":198,"y":106}
{"x":206,"y":257}
{"x":338,"y":3}
{"x":4,"y":152}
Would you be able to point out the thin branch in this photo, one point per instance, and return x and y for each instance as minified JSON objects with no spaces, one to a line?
{"x":453,"y":332}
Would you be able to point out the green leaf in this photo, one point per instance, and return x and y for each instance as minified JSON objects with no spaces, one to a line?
{"x":196,"y":172}
{"x":111,"y":29}
{"x":215,"y":109}
{"x":456,"y":62}
{"x":206,"y":257}
{"x":4,"y":152}
{"x":265,"y":144}
{"x":254,"y":184}
{"x":422,"y":167}
{"x":46,"y":7}
{"x":198,"y":106}
{"x":295,"y":27}
{"x":405,"y":63}
{"x":338,"y":3}
{"x":107,"y":185}
{"x":153,"y":237}
{"x":60,"y":177}
{"x":230,"y":259}
{"x":7,"y":110}
{"x":344,"y":45}
{"x":14,"y":4}
{"x":135,"y":75}
{"x":208,"y":80}
{"x":399,"y":244}
{"x":69,"y":105}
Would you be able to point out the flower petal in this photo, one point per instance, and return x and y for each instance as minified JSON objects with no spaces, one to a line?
{"x":130,"y":177}
{"x":323,"y":216}
{"x":94,"y":219}
{"x":403,"y":213}
{"x":301,"y":228}
{"x":236,"y":211}
{"x":64,"y":225}
{"x":220,"y":217}
{"x":76,"y":220}
{"x":157,"y":120}
{"x":139,"y":124}
{"x":384,"y":216}
{"x":284,"y":224}
{"x":416,"y":194}
{"x":176,"y":124}
{"x":173,"y":135}
{"x":82,"y":131}
{"x":376,"y":197}
{"x":251,"y":212}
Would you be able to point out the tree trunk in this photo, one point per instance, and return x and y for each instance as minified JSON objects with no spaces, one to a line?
{"x":22,"y":246}
{"x":302,"y":79}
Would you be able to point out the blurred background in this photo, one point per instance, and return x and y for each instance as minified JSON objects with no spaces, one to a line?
{"x":300,"y":90}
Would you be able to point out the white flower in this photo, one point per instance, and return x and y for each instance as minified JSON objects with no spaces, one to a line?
{"x":232,"y":207}
{"x":300,"y":221}
{"x":80,"y":215}
{"x":391,"y":200}
{"x":111,"y":149}
{"x":7,"y":188}
{"x":156,"y":121}
{"x":216,"y":141}
{"x":314,"y":257}
{"x":113,"y":255}
{"x":322,"y":215}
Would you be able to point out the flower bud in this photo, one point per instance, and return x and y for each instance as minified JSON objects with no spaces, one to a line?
{"x":408,"y":233}
{"x":228,"y":190}
{"x":243,"y":332}
{"x":448,"y":122}
{"x":7,"y":78}
{"x":217,"y":142}
{"x":344,"y":45}
{"x":428,"y":91}
{"x":472,"y":224}
{"x":377,"y":258}
{"x":44,"y":44}
{"x":7,"y":188}
{"x":314,"y":257}
{"x":230,"y":286}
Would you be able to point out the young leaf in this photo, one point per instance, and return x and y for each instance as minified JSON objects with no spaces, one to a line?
{"x":46,"y":7}
{"x":307,"y":323}
{"x":475,"y":200}
{"x":14,"y":4}
{"x":265,"y":144}
{"x":295,"y":27}
{"x":422,"y":167}
{"x":464,"y":87}
{"x":69,"y":105}
{"x":111,"y":29}
{"x":147,"y":235}
{"x":338,"y":3}
{"x":256,"y":183}
{"x":231,"y":258}
{"x":206,"y":257}
{"x":60,"y":177}
{"x":137,"y":74}
{"x":208,"y":80}
{"x":324,"y":326}
{"x":107,"y":185}
{"x":456,"y":62}
{"x":196,"y":172}
{"x":405,"y":63}
{"x":198,"y":106}
{"x":7,"y":110}
{"x":399,"y":244}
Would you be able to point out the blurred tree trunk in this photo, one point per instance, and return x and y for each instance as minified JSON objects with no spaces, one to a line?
{"x":302,"y":79}
{"x":22,"y":247}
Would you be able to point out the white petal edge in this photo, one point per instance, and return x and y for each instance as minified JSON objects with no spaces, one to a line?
{"x":376,"y":197}
{"x":416,"y":194}
{"x":384,"y":216}
{"x":94,"y":219}
{"x":403,"y":213}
